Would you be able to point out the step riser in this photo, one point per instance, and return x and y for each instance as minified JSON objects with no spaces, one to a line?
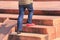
{"x":47,"y":22}
{"x":41,"y":22}
{"x":36,"y":12}
{"x":38,"y":21}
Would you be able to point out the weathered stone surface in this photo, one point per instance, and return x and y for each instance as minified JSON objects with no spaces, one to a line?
{"x":50,"y":30}
{"x":36,"y":12}
{"x":38,"y":20}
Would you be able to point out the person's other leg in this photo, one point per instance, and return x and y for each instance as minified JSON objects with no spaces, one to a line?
{"x":30,"y":15}
{"x":20,"y":18}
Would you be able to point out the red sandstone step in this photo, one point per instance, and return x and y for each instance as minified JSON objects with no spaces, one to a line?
{"x":38,"y":19}
{"x":27,"y":36}
{"x":36,"y":12}
{"x":36,"y":5}
{"x":44,"y":32}
{"x":6,"y":7}
{"x":50,"y":30}
{"x":41,"y":30}
{"x":45,"y":20}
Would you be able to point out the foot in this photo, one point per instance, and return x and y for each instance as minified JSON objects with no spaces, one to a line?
{"x":18,"y":32}
{"x":32,"y":24}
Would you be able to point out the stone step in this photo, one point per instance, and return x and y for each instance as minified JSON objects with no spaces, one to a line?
{"x":27,"y":36}
{"x":9,"y":23}
{"x":39,"y":7}
{"x":36,"y":5}
{"x":50,"y":30}
{"x":39,"y":29}
{"x":45,"y":20}
{"x":36,"y":12}
{"x":6,"y":7}
{"x":39,"y":20}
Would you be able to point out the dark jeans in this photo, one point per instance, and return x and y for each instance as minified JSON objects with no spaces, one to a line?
{"x":21,"y":15}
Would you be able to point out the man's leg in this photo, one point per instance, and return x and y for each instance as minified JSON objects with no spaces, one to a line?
{"x":20,"y":18}
{"x":30,"y":9}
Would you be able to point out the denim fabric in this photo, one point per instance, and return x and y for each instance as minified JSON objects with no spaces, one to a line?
{"x":21,"y":15}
